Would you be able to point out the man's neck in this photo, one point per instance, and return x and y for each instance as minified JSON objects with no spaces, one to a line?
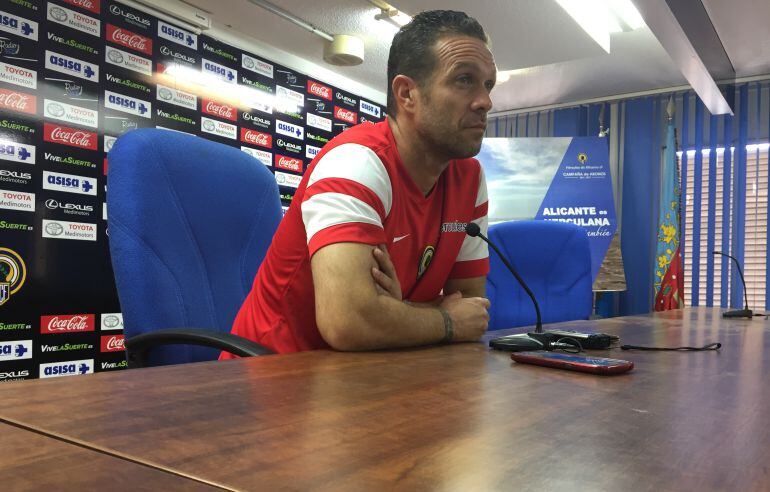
{"x":423,"y":165}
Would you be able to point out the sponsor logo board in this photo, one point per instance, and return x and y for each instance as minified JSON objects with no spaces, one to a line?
{"x":127,"y":104}
{"x":18,"y":26}
{"x":67,"y":368}
{"x":111,"y":321}
{"x":66,"y":323}
{"x":127,"y":60}
{"x":69,"y":183}
{"x":289,"y":163}
{"x":75,"y":20}
{"x":256,"y":65}
{"x":17,"y":200}
{"x":311,"y":151}
{"x":369,"y":108}
{"x":77,"y":115}
{"x":220,"y":71}
{"x":23,"y":77}
{"x":290,"y":130}
{"x":68,"y":207}
{"x":286,"y":179}
{"x":18,"y":101}
{"x":320,"y":90}
{"x":71,"y":66}
{"x":17,"y":177}
{"x":112,"y":343}
{"x":177,"y":35}
{"x":257,"y":138}
{"x":345,"y":115}
{"x":132,"y":17}
{"x":17,"y":152}
{"x":319,"y":122}
{"x":60,"y":229}
{"x":264,"y":157}
{"x":124,"y":37}
{"x":93,"y":6}
{"x":220,"y":110}
{"x":218,"y":128}
{"x":15,"y":350}
{"x":73,"y":137}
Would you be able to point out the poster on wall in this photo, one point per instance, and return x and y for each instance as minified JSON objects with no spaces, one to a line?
{"x":75,"y":75}
{"x":556,"y":179}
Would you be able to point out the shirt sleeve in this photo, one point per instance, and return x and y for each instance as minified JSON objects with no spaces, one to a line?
{"x":347,"y":199}
{"x":473,"y":259}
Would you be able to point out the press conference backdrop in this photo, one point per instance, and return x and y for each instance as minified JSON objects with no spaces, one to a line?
{"x":74,"y":76}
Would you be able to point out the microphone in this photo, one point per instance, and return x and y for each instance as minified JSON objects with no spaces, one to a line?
{"x":474,"y":230}
{"x":737,"y":313}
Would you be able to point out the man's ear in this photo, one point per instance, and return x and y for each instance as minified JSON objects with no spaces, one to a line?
{"x":405,"y":93}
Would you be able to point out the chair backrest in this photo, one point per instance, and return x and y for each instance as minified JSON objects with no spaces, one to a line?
{"x":554,"y":260}
{"x":190,"y":221}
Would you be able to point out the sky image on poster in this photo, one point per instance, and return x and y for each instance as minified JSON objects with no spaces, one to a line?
{"x":558,"y":179}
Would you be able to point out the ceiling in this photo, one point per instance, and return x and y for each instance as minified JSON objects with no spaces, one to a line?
{"x":556,"y":61}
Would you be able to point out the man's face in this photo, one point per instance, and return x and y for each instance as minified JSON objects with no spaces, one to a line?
{"x":453,"y":104}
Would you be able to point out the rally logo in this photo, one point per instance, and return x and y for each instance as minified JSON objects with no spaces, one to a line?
{"x":17,"y":152}
{"x":289,"y":163}
{"x":129,"y":39}
{"x":69,"y":136}
{"x":256,"y":138}
{"x":72,"y":114}
{"x":13,"y":273}
{"x":71,"y":66}
{"x":345,"y":115}
{"x":256,"y":65}
{"x":67,"y":368}
{"x":17,"y":200}
{"x":319,"y":122}
{"x":219,"y":128}
{"x":319,"y":90}
{"x":112,"y":343}
{"x":127,"y":104}
{"x":220,"y":71}
{"x":130,"y":17}
{"x":66,"y":323}
{"x":18,"y":26}
{"x":23,"y":77}
{"x":18,"y":101}
{"x":111,"y":321}
{"x":15,"y":350}
{"x":69,"y":208}
{"x":60,"y":229}
{"x":75,"y":20}
{"x":263,"y":123}
{"x":265,"y":158}
{"x":127,"y":60}
{"x":177,"y":35}
{"x":9,"y":47}
{"x":369,"y":108}
{"x":289,"y":130}
{"x":69,"y":183}
{"x":219,"y":110}
{"x":92,"y":6}
{"x":109,"y":141}
{"x":286,"y":179}
{"x":177,"y":97}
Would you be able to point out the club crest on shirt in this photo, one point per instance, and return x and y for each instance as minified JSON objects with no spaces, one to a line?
{"x":425,"y":259}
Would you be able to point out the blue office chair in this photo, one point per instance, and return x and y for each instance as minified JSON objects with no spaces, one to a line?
{"x":189,"y":220}
{"x":554,"y":260}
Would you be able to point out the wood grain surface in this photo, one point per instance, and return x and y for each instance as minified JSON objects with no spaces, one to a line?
{"x":457,"y":417}
{"x":32,"y":462}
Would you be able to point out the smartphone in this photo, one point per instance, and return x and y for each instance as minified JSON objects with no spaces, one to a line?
{"x":593,"y":365}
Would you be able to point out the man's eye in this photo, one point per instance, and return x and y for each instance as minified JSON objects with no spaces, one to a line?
{"x":464,"y":79}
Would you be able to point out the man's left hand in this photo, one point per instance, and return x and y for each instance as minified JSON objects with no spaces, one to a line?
{"x":384,"y":274}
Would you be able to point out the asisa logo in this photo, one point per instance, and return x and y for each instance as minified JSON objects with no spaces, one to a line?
{"x":289,"y":130}
{"x":69,"y":183}
{"x":18,"y":26}
{"x":71,"y":66}
{"x":127,"y":104}
{"x":13,"y":273}
{"x":15,"y":350}
{"x":67,"y":368}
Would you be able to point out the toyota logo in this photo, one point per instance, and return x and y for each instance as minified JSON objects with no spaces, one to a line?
{"x":165,"y":94}
{"x":208,"y":125}
{"x":248,"y":63}
{"x":54,"y":228}
{"x":115,"y":56}
{"x":55,"y":109}
{"x":58,"y":14}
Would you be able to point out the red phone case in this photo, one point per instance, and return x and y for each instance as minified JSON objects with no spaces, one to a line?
{"x":570,"y":362}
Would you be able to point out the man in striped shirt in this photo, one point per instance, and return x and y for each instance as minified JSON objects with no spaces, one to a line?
{"x":372,"y":252}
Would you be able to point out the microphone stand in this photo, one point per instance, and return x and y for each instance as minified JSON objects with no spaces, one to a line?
{"x":737,"y":313}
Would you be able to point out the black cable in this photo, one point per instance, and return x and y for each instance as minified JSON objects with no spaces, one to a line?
{"x":710,"y":346}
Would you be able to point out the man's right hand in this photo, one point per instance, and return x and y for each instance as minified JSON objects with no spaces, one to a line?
{"x":469,"y":316}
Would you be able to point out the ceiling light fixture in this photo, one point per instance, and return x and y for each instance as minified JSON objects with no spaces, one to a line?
{"x":600,"y":18}
{"x":394,"y":16}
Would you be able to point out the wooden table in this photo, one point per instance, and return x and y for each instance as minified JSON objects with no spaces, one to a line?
{"x":31,"y":461}
{"x":457,"y":417}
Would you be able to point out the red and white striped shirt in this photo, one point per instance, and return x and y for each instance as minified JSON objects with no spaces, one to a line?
{"x":357,"y":190}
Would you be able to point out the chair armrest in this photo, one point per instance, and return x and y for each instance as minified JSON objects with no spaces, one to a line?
{"x":138,"y":347}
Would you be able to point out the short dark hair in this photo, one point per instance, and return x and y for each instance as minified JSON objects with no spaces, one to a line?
{"x":411,"y":52}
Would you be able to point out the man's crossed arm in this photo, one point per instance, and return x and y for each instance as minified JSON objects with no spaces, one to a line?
{"x":359,"y":307}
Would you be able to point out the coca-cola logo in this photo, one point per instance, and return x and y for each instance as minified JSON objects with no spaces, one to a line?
{"x":69,"y":136}
{"x":67,"y":323}
{"x":256,"y":138}
{"x":112,"y":343}
{"x":345,"y":114}
{"x":288,"y":163}
{"x":90,"y":5}
{"x":129,"y":39}
{"x":220,"y":110}
{"x":319,"y":90}
{"x":18,"y":101}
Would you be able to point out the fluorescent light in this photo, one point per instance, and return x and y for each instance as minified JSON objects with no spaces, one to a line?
{"x":600,"y":18}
